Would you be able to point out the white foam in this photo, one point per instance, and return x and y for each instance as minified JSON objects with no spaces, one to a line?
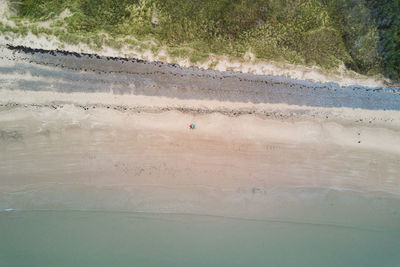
{"x":9,"y":210}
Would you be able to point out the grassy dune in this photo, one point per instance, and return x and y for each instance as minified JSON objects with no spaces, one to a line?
{"x":362,"y":34}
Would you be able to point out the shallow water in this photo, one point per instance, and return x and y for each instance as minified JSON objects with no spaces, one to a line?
{"x":68,"y":238}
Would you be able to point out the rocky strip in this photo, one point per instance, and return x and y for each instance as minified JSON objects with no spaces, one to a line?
{"x":62,"y":71}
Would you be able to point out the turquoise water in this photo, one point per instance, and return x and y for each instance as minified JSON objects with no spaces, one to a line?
{"x":74,"y":238}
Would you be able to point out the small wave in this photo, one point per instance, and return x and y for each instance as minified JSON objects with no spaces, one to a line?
{"x":173,"y":216}
{"x":9,"y":210}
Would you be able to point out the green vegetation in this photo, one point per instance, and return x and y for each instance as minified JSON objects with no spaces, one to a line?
{"x":387,"y":20}
{"x":362,"y":34}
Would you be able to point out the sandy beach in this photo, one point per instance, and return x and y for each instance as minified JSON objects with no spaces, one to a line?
{"x":125,"y":122}
{"x":91,"y":133}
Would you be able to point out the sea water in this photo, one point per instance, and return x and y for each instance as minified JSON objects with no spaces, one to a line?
{"x":358,"y":231}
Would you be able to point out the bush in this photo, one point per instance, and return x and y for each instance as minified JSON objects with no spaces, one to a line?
{"x":387,"y":20}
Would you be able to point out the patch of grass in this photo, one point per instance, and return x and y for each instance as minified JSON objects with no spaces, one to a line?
{"x":197,"y":56}
{"x":69,"y":38}
{"x":97,"y":40}
{"x":143,"y":45}
{"x":154,"y":49}
{"x":131,"y":42}
{"x":111,"y":42}
{"x":213,"y":64}
{"x":22,"y":30}
{"x":57,"y":23}
{"x":179,"y":52}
